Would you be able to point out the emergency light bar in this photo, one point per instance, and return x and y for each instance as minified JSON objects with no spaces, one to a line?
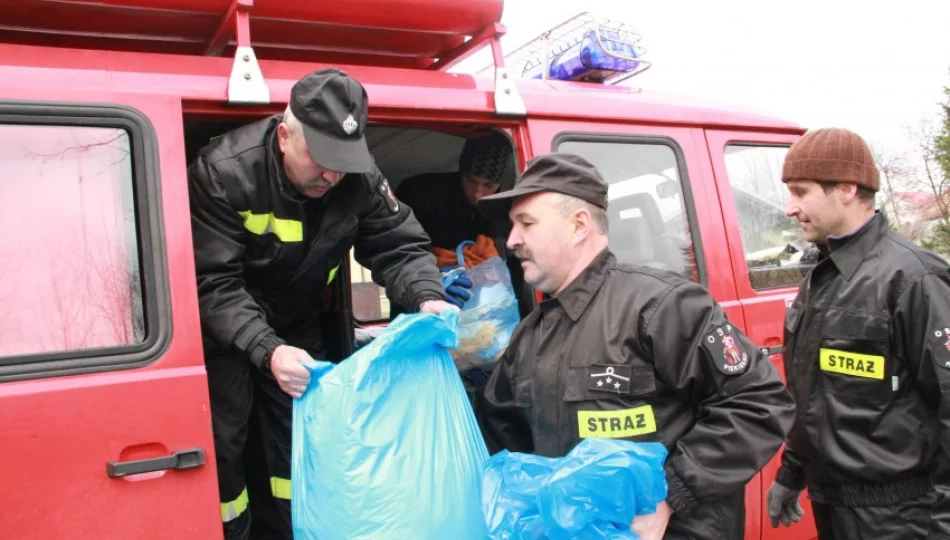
{"x":583,"y":48}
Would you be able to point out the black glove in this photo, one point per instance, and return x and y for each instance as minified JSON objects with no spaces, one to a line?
{"x":783,"y":505}
{"x":457,"y":290}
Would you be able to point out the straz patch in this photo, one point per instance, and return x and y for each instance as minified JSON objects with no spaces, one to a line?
{"x":940,"y":347}
{"x":723,"y":349}
{"x":616,"y":424}
{"x":613,"y":379}
{"x":388,"y":195}
{"x":869,"y":366}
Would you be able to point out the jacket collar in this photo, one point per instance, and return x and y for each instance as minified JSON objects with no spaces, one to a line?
{"x":577,"y":296}
{"x":849,"y":251}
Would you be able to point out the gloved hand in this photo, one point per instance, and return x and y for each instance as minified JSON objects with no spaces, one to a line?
{"x":457,"y":290}
{"x":783,"y":505}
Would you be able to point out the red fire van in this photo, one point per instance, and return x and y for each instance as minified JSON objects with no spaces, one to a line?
{"x":104,"y":413}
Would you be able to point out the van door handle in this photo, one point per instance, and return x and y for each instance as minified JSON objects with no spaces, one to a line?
{"x":769,"y":351}
{"x":183,"y":459}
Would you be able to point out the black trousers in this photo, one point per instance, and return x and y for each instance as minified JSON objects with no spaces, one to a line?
{"x":252,"y":474}
{"x":910,"y":520}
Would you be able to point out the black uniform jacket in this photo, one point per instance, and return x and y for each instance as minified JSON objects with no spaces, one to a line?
{"x":264,"y":254}
{"x":867,"y":358}
{"x":642,"y":354}
{"x":438,"y":202}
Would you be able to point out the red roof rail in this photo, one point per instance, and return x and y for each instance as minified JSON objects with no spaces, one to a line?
{"x":406,"y":34}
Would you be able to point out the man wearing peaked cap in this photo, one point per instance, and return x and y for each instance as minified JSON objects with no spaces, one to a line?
{"x":628,"y":352}
{"x":567,"y":174}
{"x":867,"y":358}
{"x":276,"y":206}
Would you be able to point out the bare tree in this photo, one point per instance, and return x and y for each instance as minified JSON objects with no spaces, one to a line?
{"x":8,"y":330}
{"x":894,"y":169}
{"x":942,"y":135}
{"x":115,"y":289}
{"x":931,"y":177}
{"x":11,"y":257}
{"x":91,"y":297}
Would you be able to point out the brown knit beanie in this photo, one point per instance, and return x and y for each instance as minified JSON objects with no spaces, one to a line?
{"x":831,"y":155}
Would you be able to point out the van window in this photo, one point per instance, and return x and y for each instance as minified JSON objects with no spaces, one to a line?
{"x":370,"y":302}
{"x":69,"y":253}
{"x":776,"y":254}
{"x":648,"y":211}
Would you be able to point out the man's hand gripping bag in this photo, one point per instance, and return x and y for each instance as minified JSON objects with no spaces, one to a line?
{"x":385,"y":444}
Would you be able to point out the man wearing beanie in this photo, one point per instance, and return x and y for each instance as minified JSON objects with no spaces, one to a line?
{"x":867,"y":358}
{"x":444,"y":203}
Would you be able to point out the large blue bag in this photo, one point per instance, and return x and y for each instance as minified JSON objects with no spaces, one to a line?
{"x":592,"y":493}
{"x":489,"y":317}
{"x":385,"y":444}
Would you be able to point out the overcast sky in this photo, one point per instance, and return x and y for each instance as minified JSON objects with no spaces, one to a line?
{"x":870,"y":67}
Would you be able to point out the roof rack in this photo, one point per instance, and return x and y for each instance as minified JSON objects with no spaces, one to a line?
{"x":428,"y":35}
{"x":246,"y":84}
{"x":585,"y":48}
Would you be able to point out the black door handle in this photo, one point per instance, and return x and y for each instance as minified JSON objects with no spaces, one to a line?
{"x":183,"y":459}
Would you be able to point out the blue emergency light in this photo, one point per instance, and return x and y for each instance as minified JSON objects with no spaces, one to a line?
{"x":587,"y":49}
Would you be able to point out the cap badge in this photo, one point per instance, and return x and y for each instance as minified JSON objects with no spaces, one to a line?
{"x":350,"y":125}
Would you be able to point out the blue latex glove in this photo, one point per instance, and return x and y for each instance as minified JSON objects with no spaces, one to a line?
{"x":457,"y":289}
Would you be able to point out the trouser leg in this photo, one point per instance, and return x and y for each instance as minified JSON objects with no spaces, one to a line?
{"x":275,"y":412}
{"x":231,"y":396}
{"x":909,"y":520}
{"x":823,"y":520}
{"x":940,"y":514}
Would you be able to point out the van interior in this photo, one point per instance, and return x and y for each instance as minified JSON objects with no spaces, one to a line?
{"x":639,"y":231}
{"x":400,"y":151}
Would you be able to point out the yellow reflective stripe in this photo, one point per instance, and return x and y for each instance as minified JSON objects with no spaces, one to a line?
{"x":288,"y":230}
{"x":256,"y":223}
{"x":333,"y":274}
{"x":280,"y":487}
{"x":233,"y":509}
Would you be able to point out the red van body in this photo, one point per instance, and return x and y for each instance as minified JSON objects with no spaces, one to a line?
{"x":103,"y":103}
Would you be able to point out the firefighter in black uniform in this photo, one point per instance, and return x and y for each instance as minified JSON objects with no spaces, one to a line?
{"x":276,"y":206}
{"x":444,"y":203}
{"x":628,"y":352}
{"x":867,"y":357}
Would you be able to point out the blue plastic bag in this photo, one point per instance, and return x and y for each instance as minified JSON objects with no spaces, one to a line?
{"x":488,"y":317}
{"x":385,"y":444}
{"x":593,"y":492}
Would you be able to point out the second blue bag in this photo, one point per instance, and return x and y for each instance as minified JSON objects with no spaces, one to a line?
{"x":385,"y":444}
{"x":489,"y":317}
{"x":594,"y":492}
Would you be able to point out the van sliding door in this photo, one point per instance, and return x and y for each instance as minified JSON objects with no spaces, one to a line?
{"x":105,"y":429}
